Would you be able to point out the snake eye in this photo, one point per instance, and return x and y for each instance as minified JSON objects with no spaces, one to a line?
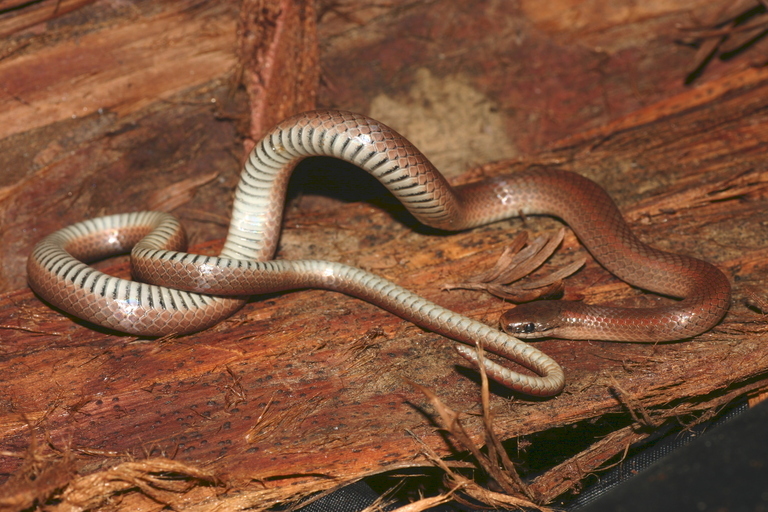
{"x":529,"y":328}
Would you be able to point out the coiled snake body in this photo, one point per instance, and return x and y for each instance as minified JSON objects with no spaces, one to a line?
{"x":56,"y":272}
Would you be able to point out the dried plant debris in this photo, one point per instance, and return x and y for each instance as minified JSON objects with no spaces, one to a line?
{"x":738,"y":26}
{"x":55,"y":484}
{"x":756,"y":300}
{"x":519,"y":260}
{"x":509,"y":489}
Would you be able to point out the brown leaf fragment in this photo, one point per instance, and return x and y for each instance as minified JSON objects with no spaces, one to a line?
{"x":517,"y":262}
{"x":506,"y":259}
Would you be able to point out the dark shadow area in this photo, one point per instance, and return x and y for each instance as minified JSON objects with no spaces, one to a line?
{"x":721,"y":464}
{"x":336,"y":179}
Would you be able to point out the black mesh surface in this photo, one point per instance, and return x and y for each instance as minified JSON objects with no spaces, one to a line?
{"x":720,"y":466}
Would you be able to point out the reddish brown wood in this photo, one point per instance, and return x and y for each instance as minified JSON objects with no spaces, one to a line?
{"x":311,"y":382}
{"x":279,"y":59}
{"x":17,"y":15}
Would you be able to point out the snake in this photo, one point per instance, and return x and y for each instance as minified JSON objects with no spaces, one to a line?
{"x":175,"y":292}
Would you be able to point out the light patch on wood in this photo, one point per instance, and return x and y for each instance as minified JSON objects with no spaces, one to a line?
{"x":452,"y":123}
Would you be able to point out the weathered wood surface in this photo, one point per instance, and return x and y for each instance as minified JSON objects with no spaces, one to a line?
{"x":115,"y":108}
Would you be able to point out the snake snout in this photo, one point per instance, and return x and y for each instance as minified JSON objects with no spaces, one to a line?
{"x":533,"y":319}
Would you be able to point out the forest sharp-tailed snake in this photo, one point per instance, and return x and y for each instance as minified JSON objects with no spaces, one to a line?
{"x":245,"y":267}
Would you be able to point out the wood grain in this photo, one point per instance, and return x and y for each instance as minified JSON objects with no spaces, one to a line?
{"x":304,"y":390}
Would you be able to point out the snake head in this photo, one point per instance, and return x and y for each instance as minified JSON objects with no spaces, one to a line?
{"x":534,"y":319}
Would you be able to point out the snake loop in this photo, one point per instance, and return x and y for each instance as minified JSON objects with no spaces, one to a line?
{"x":196,"y":290}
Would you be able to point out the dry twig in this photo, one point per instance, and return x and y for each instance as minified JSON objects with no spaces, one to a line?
{"x":496,"y":464}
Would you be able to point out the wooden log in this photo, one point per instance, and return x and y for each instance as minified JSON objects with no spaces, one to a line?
{"x":306,"y":389}
{"x":279,"y":60}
